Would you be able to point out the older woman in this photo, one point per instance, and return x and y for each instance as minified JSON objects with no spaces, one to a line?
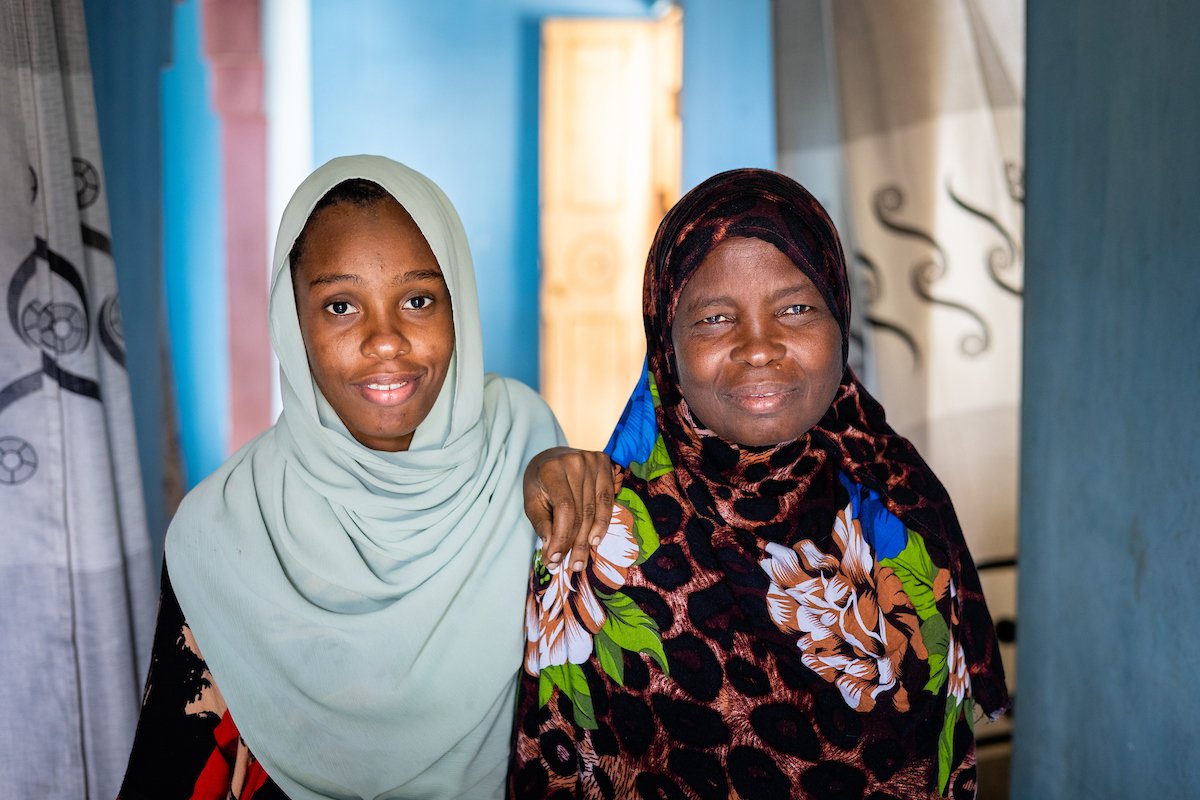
{"x":783,"y":604}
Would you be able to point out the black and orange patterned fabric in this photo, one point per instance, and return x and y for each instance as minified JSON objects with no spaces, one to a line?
{"x":796,"y":620}
{"x":187,"y":746}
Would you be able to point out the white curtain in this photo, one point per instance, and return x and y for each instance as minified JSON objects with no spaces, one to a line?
{"x":908,"y":115}
{"x":931,"y":98}
{"x":76,"y":583}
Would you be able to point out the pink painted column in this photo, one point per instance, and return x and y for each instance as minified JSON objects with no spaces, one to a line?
{"x":233,"y":45}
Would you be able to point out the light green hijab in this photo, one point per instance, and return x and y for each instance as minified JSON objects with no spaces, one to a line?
{"x":360,"y":611}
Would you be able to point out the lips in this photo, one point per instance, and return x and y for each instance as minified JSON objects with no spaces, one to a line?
{"x":388,"y":389}
{"x":762,"y":398}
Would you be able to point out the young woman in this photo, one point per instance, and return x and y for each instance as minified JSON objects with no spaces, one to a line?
{"x":783,"y":604}
{"x":342,"y":599}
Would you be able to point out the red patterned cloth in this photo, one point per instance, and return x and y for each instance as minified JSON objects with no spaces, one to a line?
{"x":187,"y":746}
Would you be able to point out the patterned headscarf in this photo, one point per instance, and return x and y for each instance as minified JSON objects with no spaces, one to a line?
{"x":784,"y":492}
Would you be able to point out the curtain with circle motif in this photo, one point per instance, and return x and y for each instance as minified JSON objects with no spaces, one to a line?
{"x":77,"y":588}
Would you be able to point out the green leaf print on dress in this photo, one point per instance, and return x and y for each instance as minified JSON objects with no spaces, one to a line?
{"x":571,"y":615}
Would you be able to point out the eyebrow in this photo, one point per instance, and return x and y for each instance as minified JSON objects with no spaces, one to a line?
{"x":411,"y":275}
{"x":728,"y":300}
{"x":799,"y":288}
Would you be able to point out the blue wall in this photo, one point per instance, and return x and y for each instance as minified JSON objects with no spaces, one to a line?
{"x":452,"y":89}
{"x":194,"y":239}
{"x":728,"y":97}
{"x":128,"y":45}
{"x":1110,"y":642}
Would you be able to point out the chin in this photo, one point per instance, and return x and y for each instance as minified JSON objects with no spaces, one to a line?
{"x":753,"y":438}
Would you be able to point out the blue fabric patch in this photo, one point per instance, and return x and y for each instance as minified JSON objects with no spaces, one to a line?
{"x":882,"y":529}
{"x":633,"y":439}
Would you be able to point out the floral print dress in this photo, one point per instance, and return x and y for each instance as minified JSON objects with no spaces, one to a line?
{"x":717,"y":663}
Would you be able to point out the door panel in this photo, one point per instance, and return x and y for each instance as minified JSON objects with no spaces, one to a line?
{"x":609,"y":167}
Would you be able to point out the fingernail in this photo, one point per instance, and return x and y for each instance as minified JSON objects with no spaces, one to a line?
{"x":595,"y":541}
{"x":555,"y":558}
{"x":577,"y":566}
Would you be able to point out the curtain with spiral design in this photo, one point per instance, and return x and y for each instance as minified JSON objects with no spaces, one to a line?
{"x":907,"y":119}
{"x":931,"y":95}
{"x":77,"y":589}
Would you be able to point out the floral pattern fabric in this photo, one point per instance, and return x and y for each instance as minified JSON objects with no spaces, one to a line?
{"x":862,"y":621}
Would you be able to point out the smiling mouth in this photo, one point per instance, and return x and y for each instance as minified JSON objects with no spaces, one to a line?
{"x":391,"y":391}
{"x":762,"y":400}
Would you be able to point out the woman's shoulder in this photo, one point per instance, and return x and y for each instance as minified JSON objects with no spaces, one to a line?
{"x":232,"y":484}
{"x":517,"y":394}
{"x":511,"y":387}
{"x":217,"y":481}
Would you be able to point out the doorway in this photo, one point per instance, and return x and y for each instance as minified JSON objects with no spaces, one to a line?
{"x":610,"y":168}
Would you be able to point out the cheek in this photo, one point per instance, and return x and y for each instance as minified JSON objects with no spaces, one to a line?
{"x":690,"y":367}
{"x":435,"y":348}
{"x":443,"y":343}
{"x":323,"y":354}
{"x":826,"y":362}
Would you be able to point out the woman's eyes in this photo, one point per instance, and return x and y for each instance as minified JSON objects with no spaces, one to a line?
{"x":799,"y":308}
{"x":418,"y":303}
{"x":344,"y":308}
{"x":340,"y":308}
{"x":793,"y":310}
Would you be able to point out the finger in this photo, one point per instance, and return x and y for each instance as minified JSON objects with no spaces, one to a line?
{"x":582,"y":541}
{"x":537,"y":511}
{"x":563,"y":509}
{"x":606,"y":490}
{"x":586,"y":534}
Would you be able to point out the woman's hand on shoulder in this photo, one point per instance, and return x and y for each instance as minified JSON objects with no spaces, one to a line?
{"x":568,"y":498}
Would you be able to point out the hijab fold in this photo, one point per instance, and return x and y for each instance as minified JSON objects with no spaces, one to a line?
{"x":359,"y":610}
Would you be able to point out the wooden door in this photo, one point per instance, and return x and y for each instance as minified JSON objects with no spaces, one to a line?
{"x":610,"y":165}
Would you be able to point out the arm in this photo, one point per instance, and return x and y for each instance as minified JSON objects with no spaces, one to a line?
{"x":568,"y":498}
{"x":187,"y":745}
{"x":171,"y":745}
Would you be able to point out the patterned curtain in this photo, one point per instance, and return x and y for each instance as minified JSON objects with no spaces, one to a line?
{"x":908,"y":117}
{"x":932,"y":113}
{"x":77,"y":588}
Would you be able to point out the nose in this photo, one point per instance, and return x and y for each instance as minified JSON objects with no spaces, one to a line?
{"x":758,"y":345}
{"x":385,"y":339}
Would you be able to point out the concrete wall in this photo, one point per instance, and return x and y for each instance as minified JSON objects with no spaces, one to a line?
{"x":1110,"y":490}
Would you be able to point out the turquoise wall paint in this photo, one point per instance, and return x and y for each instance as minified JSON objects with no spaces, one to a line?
{"x":194,"y":246}
{"x":128,"y":46}
{"x":1109,"y":639}
{"x":452,"y":89}
{"x":728,"y":98}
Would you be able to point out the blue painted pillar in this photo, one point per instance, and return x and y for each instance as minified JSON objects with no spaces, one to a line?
{"x":1110,"y":488}
{"x":194,"y":236}
{"x":129,"y":44}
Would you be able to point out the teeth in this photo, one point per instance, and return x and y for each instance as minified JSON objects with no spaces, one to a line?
{"x":386,"y":387}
